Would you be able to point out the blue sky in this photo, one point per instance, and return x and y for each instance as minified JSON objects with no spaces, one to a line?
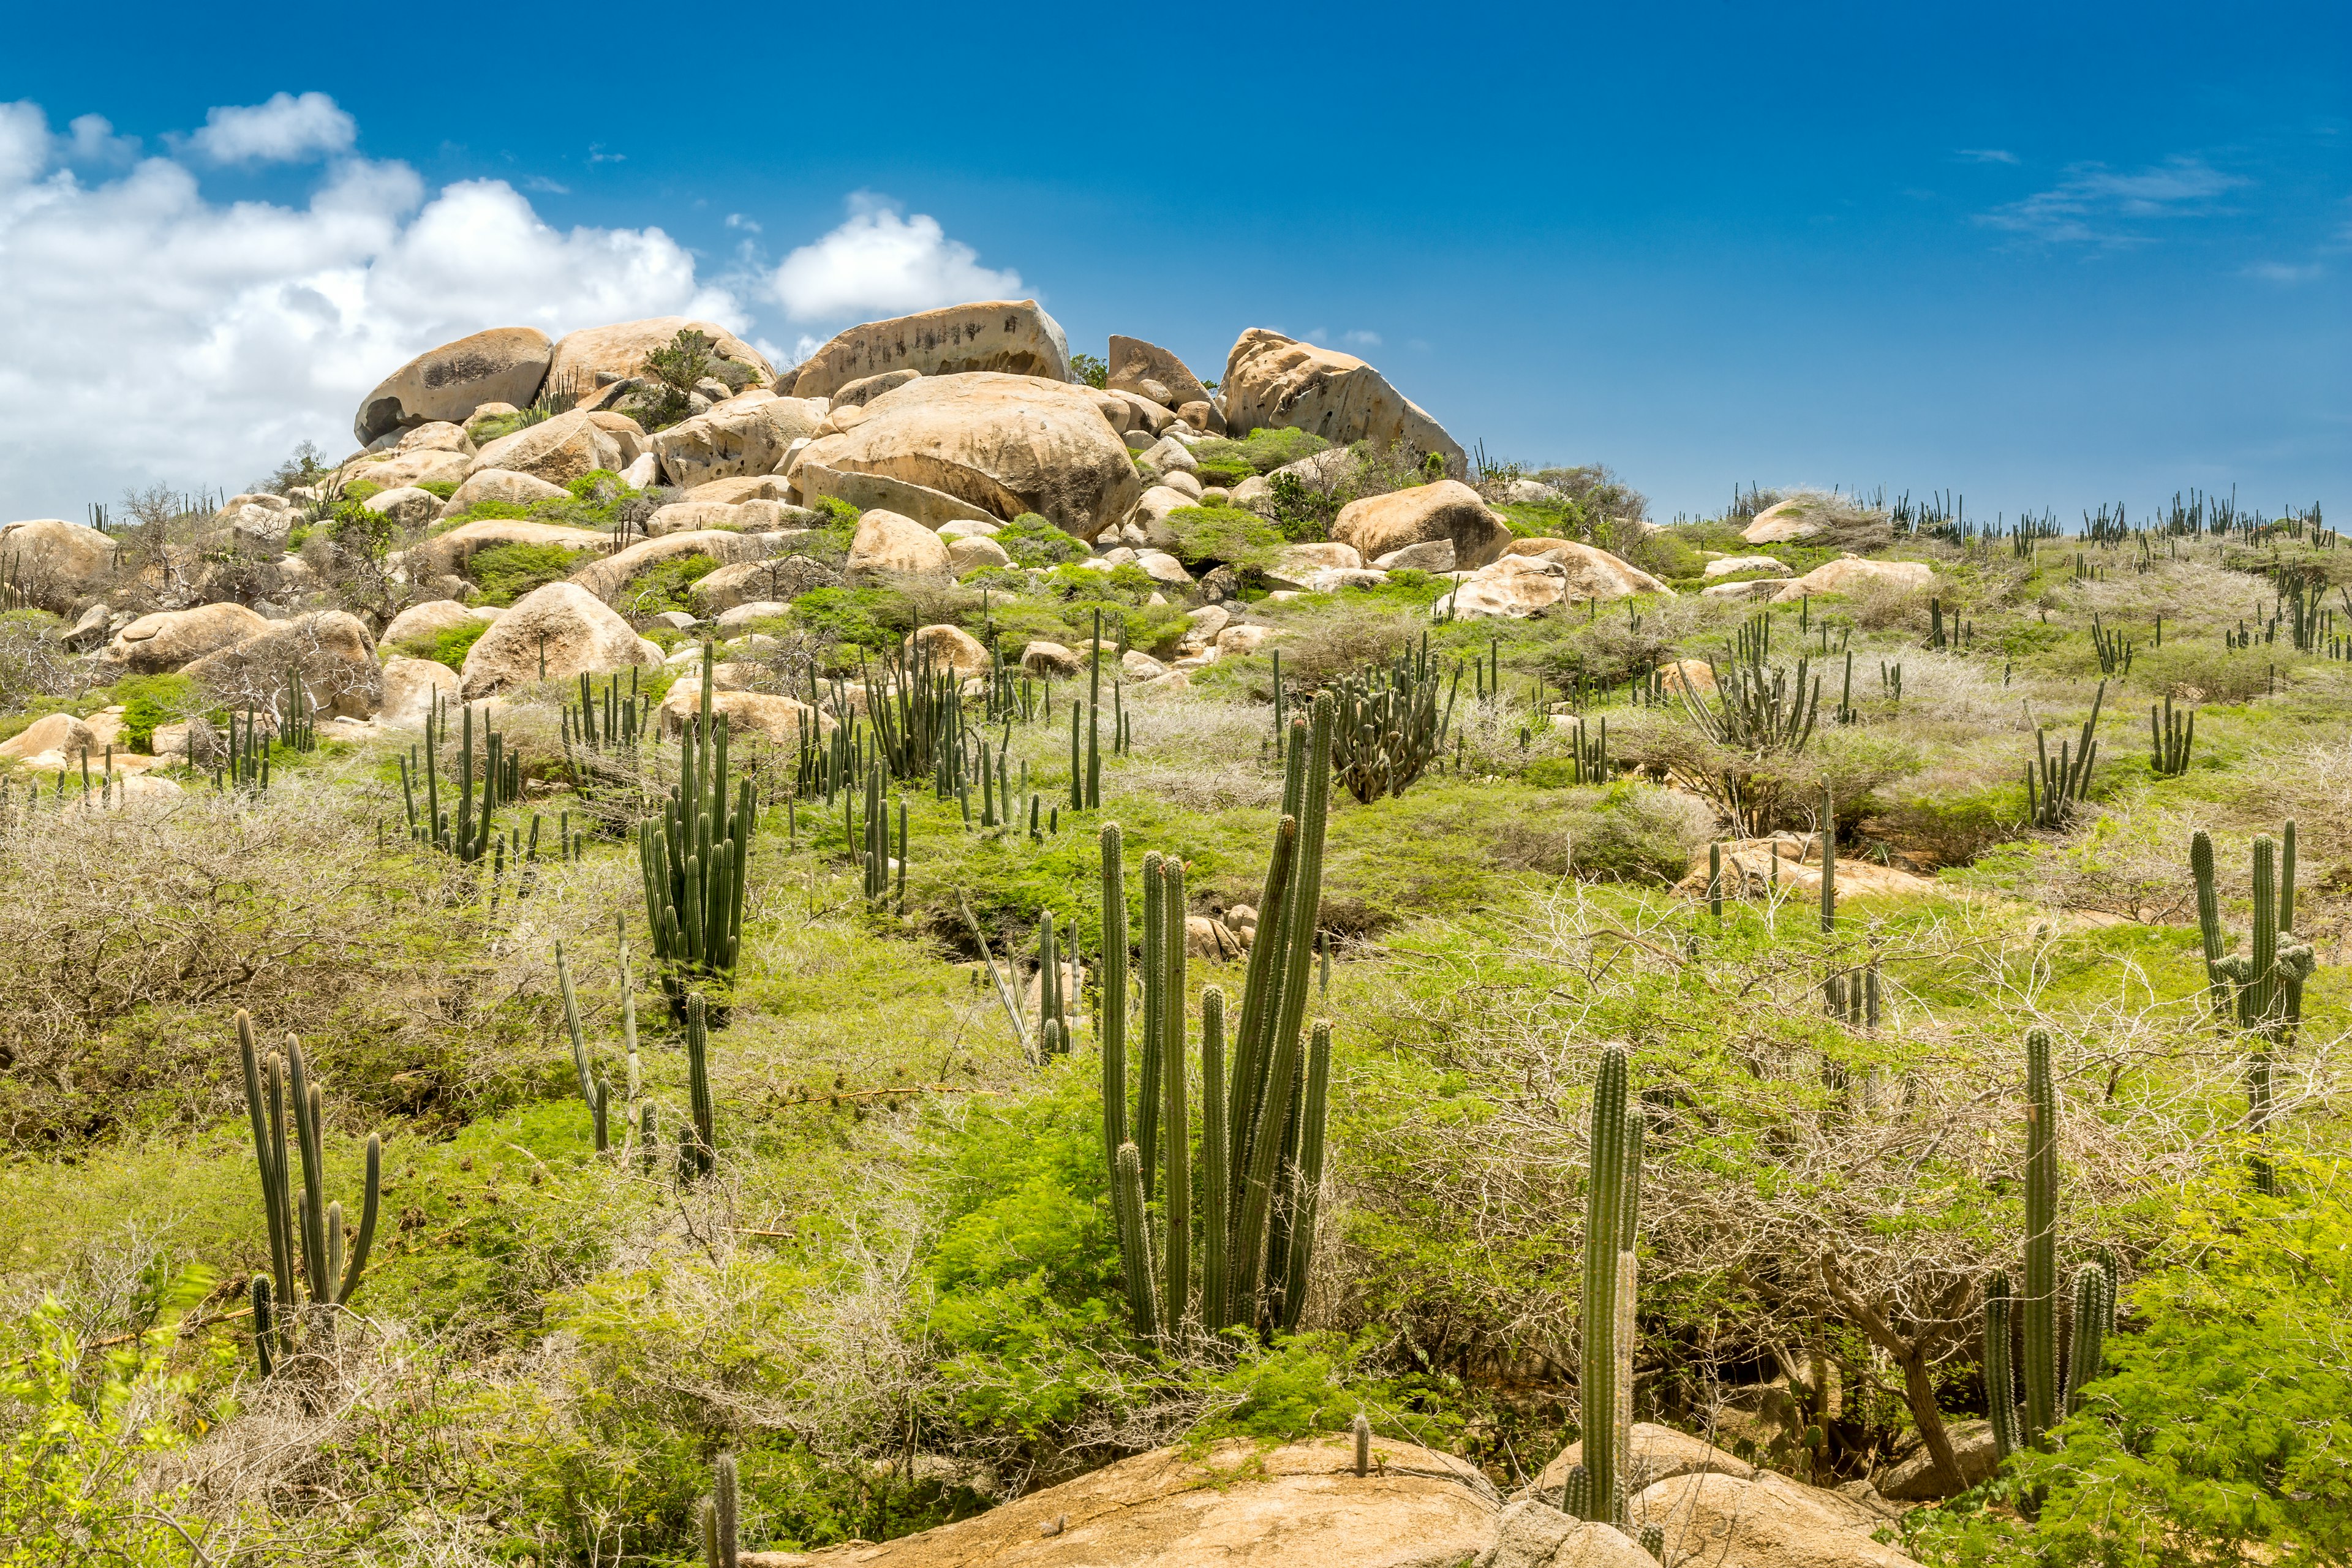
{"x":2045,"y":256}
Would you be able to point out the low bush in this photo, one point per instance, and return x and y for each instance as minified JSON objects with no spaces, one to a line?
{"x":447,"y":645}
{"x":1227,"y":462}
{"x":1033,"y":540}
{"x":505,"y":572}
{"x":862,"y":617}
{"x":663,"y":586}
{"x":1230,"y":534}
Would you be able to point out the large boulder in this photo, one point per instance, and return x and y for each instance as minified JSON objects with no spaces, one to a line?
{"x":1851,"y":574}
{"x":1448,"y":509}
{"x":932,"y":509}
{"x":330,"y":651}
{"x":951,"y":647}
{"x":393,"y":470}
{"x":745,"y":434}
{"x":563,"y":629}
{"x":1659,"y":1453}
{"x":55,"y":563}
{"x":1728,"y":565}
{"x":1151,"y":372}
{"x":501,"y":485}
{"x":887,"y":547}
{"x":1533,"y":1535}
{"x":607,"y":577}
{"x":447,"y":554}
{"x":406,"y":507}
{"x":421,"y":623}
{"x":411,"y":687}
{"x":1592,"y":573}
{"x":164,"y":641}
{"x":1278,"y":383}
{"x":865,"y":389}
{"x":1010,"y":335}
{"x":1713,"y":1520}
{"x":1760,"y":868}
{"x":265,"y":520}
{"x":1004,"y":444}
{"x":504,"y":364}
{"x":558,"y":450}
{"x":60,"y":733}
{"x":620,"y":350}
{"x":1917,"y":1479}
{"x":1236,"y":1505}
{"x":1782,"y":522}
{"x":777,"y":720}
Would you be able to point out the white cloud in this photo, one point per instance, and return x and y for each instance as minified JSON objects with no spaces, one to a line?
{"x":2095,"y":206}
{"x":737,"y":220}
{"x":285,"y":129}
{"x":156,"y":335}
{"x":1987,"y":156}
{"x":880,"y":262}
{"x":2284,"y":271}
{"x":94,"y":142}
{"x":1360,"y":339}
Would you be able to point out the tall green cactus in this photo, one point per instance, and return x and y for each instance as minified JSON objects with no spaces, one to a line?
{"x":2260,"y":993}
{"x":695,"y":858}
{"x":1177,"y":1210}
{"x":595,"y":1091}
{"x":720,"y":1511}
{"x":1110,"y":1025}
{"x":1829,"y":862}
{"x":699,"y":1143}
{"x":1611,"y":1223}
{"x":2000,"y":1377}
{"x":304,"y":1228}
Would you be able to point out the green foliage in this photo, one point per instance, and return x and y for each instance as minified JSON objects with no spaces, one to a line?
{"x":863,"y":617}
{"x":445,"y":489}
{"x":448,"y":644}
{"x":1233,"y":534}
{"x":1090,"y":371}
{"x":669,"y":377}
{"x":1038,"y":541}
{"x":505,"y":572}
{"x":1228,"y":461}
{"x":663,"y":586}
{"x":152,"y":700}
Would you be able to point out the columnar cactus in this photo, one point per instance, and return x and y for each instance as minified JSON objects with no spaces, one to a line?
{"x":594,"y":1092}
{"x":720,"y":1511}
{"x":697,"y":1144}
{"x":2000,"y":1377}
{"x":304,"y":1228}
{"x":2260,"y":993}
{"x":1612,"y":1222}
{"x":694,"y":858}
{"x":1829,"y":862}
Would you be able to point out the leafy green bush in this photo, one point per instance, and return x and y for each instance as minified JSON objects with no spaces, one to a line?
{"x":149,"y":701}
{"x":663,"y":586}
{"x":445,"y":489}
{"x":1034,"y":541}
{"x":505,"y":572}
{"x":448,"y":644}
{"x":1090,"y":370}
{"x":862,"y":617}
{"x":1223,"y":533}
{"x":1227,"y":462}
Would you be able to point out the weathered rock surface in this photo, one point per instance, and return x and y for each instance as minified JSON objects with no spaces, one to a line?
{"x":392,"y":471}
{"x":1726,"y":566}
{"x":1783,"y":522}
{"x":331,"y":649}
{"x":1752,"y":868}
{"x":888,"y":546}
{"x":558,"y":450}
{"x":1850,"y":573}
{"x":60,"y":733}
{"x":1534,"y":1534}
{"x":565,"y":624}
{"x":1010,"y":335}
{"x":1151,"y":372}
{"x":502,"y":484}
{"x":1003,"y":444}
{"x":166,"y":640}
{"x":772,"y":578}
{"x":1043,"y":658}
{"x":971,"y":553}
{"x":447,"y":554}
{"x":409,"y":507}
{"x":1518,"y":585}
{"x":1721,"y":1522}
{"x":1300,"y":1504}
{"x":504,"y":364}
{"x":774,"y":719}
{"x":1659,"y":1453}
{"x":428,"y":619}
{"x":607,"y":577}
{"x":56,"y":562}
{"x":1448,"y":509}
{"x":620,"y":350}
{"x":1593,"y":573}
{"x":952,"y":647}
{"x":1915,"y":1480}
{"x":932,"y":509}
{"x":410,"y":686}
{"x":745,"y":434}
{"x":1276,"y":382}
{"x":865,"y":389}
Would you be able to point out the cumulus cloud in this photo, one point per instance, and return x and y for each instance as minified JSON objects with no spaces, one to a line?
{"x":1987,"y":156}
{"x":2095,"y":205}
{"x":1360,"y":338}
{"x":157,"y":335}
{"x":880,"y":262}
{"x":285,"y":129}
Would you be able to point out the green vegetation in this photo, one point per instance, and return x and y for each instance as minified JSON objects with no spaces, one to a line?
{"x":1033,"y":540}
{"x":1229,"y":534}
{"x":1227,"y":462}
{"x":663,"y":586}
{"x":505,"y":572}
{"x":448,"y":644}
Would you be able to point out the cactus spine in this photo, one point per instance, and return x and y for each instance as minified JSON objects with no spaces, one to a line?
{"x":2260,"y":993}
{"x":1612,"y":1219}
{"x":303,"y":1228}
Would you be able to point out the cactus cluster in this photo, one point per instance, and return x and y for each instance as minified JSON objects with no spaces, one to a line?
{"x":1262,"y":1116}
{"x":698,"y":1139}
{"x":2053,"y":1371}
{"x":695,"y":858}
{"x":2168,"y":742}
{"x":463,"y":828}
{"x":1612,"y":1210}
{"x":596,"y":1087}
{"x":305,"y":1231}
{"x":1389,"y":726}
{"x":2259,"y":992}
{"x":2064,"y":782}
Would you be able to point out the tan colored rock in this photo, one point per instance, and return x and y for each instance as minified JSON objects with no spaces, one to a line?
{"x":775,"y":578}
{"x":1755,"y":588}
{"x":1139,"y":413}
{"x":1212,"y":940}
{"x":865,"y":389}
{"x":1693,"y":675}
{"x":887,"y":547}
{"x":1592,"y":573}
{"x":447,"y":554}
{"x":396,"y":470}
{"x":501,"y":485}
{"x":1042,"y":659}
{"x":1135,"y":364}
{"x":736,"y":491}
{"x":1448,"y":509}
{"x":1278,"y":383}
{"x":1728,"y":565}
{"x":168,"y":639}
{"x":1767,"y":1523}
{"x":1003,"y":444}
{"x":681,"y":516}
{"x":1534,"y":1534}
{"x":410,"y":689}
{"x":55,"y":562}
{"x":1236,"y":1507}
{"x":1659,"y":1453}
{"x":1203,"y":418}
{"x":422,"y":622}
{"x":1916,"y":1479}
{"x":60,"y":733}
{"x":409,"y":507}
{"x":866,"y":492}
{"x":620,"y":350}
{"x":561,"y":627}
{"x":1752,"y":868}
{"x":972,"y":552}
{"x":1783,"y":522}
{"x":331,"y":651}
{"x":1851,"y":574}
{"x":607,"y":577}
{"x":1153,"y":512}
{"x":558,"y":450}
{"x":434,"y":436}
{"x":952,"y":648}
{"x":1308,"y":567}
{"x":504,"y":364}
{"x":747,"y":434}
{"x":762,"y":715}
{"x":1245,"y":638}
{"x":1008,"y":336}
{"x":1430,"y":555}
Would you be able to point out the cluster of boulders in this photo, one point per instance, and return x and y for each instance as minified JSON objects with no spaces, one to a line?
{"x":1405,"y":1507}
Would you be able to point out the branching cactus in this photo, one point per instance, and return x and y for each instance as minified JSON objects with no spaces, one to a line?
{"x":305,"y":1230}
{"x":1611,"y":1223}
{"x":694,"y":859}
{"x":2259,"y":992}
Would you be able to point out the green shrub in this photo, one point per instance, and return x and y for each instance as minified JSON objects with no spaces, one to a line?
{"x":445,"y":489}
{"x":149,"y":701}
{"x":505,"y":572}
{"x":1034,"y":541}
{"x":1089,"y":370}
{"x":448,"y":644}
{"x":663,"y":586}
{"x":482,"y":510}
{"x":862,"y":617}
{"x":1223,"y":533}
{"x":1227,"y":462}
